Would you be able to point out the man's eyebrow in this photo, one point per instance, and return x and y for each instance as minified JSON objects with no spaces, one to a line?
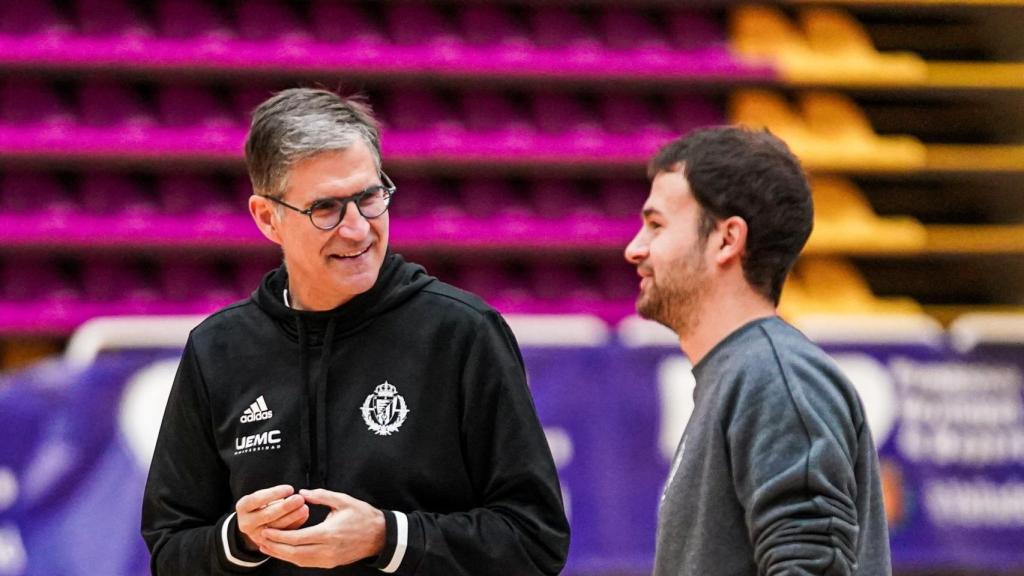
{"x":648,"y":212}
{"x":353,"y":195}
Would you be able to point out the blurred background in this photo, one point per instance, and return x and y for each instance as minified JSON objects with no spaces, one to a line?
{"x":517,"y":132}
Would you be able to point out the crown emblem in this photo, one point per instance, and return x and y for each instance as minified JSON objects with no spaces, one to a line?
{"x":384,"y":411}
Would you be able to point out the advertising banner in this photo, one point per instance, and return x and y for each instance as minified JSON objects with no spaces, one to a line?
{"x":949,"y":425}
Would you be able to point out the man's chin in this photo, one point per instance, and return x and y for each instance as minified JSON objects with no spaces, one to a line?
{"x":645,"y":308}
{"x":354,"y":283}
{"x":650,"y":310}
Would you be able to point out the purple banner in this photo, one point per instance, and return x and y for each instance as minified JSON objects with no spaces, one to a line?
{"x":949,"y":426}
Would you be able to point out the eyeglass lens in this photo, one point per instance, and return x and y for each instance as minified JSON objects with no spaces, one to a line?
{"x":327,"y":213}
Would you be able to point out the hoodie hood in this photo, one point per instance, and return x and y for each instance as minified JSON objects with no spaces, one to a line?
{"x":397,"y":282}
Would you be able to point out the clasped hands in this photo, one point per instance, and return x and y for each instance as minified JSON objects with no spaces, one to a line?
{"x":269,"y":521}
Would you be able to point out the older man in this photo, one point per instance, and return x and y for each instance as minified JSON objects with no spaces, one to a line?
{"x":354,"y":414}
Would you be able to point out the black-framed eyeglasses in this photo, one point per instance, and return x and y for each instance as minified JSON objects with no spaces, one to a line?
{"x":327,"y":213}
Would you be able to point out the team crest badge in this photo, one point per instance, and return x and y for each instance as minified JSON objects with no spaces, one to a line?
{"x":384,"y":411}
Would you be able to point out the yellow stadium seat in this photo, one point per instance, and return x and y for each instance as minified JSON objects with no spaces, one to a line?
{"x":845,"y":222}
{"x":766,"y":109}
{"x":834,"y":286}
{"x":827,"y":132}
{"x":828,"y":47}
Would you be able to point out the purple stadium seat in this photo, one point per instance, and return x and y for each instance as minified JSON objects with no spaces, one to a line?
{"x":190,"y":194}
{"x":557,"y":26}
{"x":630,"y":30}
{"x":249,"y":273}
{"x":112,"y":279}
{"x":269,"y":21}
{"x":555,"y":280}
{"x":688,"y":112}
{"x":491,"y":25}
{"x":485,"y":198}
{"x":623,"y":198}
{"x":110,"y":18}
{"x":488,"y":111}
{"x":344,"y":23}
{"x":27,"y":279}
{"x":493,"y":281}
{"x":193,"y":19}
{"x":693,"y":30}
{"x":416,"y":109}
{"x":30,"y":192}
{"x":245,"y":99}
{"x":32,"y":102}
{"x":562,"y":113}
{"x":618,"y":280}
{"x":183,"y":105}
{"x":108,"y":193}
{"x":193,"y":282}
{"x":241,"y":189}
{"x":565,"y":282}
{"x":419,"y":24}
{"x":632,"y":114}
{"x":108,"y":103}
{"x":426,"y":197}
{"x":557,"y":199}
{"x":38,"y":17}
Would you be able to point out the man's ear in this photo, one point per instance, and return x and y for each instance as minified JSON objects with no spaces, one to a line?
{"x":264,"y":214}
{"x":732,"y":240}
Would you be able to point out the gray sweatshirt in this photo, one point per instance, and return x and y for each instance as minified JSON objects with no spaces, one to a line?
{"x":776,"y":472}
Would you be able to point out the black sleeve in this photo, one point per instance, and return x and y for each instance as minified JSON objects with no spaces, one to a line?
{"x":793,"y":447}
{"x":520,"y":525}
{"x":187,"y":510}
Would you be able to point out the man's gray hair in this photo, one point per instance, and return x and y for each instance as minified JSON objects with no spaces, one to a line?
{"x":300,"y":123}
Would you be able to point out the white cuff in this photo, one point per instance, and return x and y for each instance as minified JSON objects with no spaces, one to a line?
{"x":227,"y":547}
{"x":401,"y":542}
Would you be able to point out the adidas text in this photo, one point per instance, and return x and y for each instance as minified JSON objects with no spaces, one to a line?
{"x":257,"y":416}
{"x":257,"y":411}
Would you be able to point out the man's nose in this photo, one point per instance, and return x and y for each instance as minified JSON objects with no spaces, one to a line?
{"x":636,"y":250}
{"x":353,"y":224}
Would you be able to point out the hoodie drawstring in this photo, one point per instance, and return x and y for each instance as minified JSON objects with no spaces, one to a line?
{"x":320,"y":463}
{"x":307,"y":398}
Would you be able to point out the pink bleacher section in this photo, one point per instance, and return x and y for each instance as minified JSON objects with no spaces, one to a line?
{"x":548,"y":40}
{"x":47,"y":296}
{"x":110,"y":180}
{"x":104,"y":210}
{"x":124,"y":212}
{"x":112,"y":121}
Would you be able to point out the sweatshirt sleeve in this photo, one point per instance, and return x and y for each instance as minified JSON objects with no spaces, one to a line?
{"x":188,"y":521}
{"x":520,"y":524}
{"x":793,"y":445}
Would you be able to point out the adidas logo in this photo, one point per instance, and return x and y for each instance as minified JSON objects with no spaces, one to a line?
{"x":257,"y":411}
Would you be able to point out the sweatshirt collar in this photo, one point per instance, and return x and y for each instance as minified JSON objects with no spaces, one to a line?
{"x":720,"y":352}
{"x":397,"y":281}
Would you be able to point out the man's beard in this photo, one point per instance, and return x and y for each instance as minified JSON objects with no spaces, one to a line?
{"x":676,"y":300}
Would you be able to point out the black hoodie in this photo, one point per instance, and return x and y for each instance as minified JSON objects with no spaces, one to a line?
{"x":411,"y":396}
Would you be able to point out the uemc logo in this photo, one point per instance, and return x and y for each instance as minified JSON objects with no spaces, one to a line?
{"x":269,"y":440}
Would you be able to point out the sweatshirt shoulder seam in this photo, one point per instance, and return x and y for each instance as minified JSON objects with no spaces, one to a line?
{"x":486,"y":309}
{"x":225,"y":310}
{"x":789,"y":393}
